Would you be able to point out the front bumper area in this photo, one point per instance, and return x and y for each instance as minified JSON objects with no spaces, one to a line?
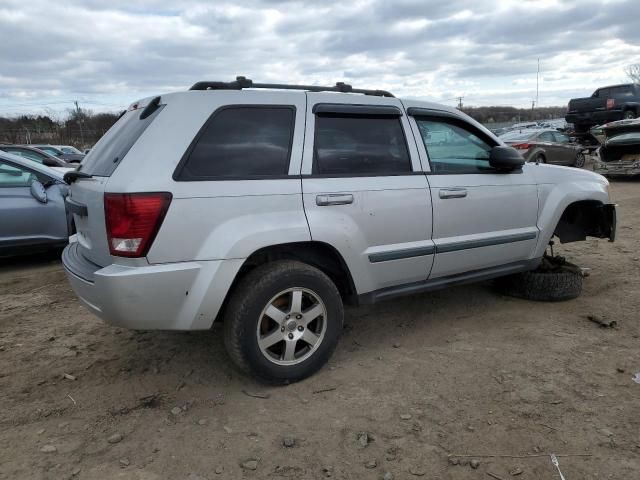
{"x":175,"y":296}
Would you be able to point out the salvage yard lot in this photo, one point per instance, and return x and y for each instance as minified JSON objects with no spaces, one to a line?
{"x":460,"y":371}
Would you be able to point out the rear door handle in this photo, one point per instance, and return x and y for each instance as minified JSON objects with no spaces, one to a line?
{"x":453,"y":193}
{"x":334,"y":199}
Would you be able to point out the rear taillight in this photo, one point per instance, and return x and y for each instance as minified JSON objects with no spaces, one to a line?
{"x":522,"y":146}
{"x":133,"y":220}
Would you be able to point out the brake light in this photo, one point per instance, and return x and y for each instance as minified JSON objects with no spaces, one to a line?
{"x":133,"y":220}
{"x":522,"y":146}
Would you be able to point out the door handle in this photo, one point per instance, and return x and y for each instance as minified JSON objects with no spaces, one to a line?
{"x":334,"y":199}
{"x":453,"y":193}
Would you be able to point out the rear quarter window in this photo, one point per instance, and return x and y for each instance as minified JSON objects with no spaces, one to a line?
{"x":241,"y":142}
{"x":624,"y":91}
{"x":106,"y":155}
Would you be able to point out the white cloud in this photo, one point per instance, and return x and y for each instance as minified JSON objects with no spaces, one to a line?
{"x":112,"y":54}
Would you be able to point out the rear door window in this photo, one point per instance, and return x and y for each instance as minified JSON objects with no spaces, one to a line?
{"x":105,"y":156}
{"x":360,"y":145}
{"x":241,"y":142}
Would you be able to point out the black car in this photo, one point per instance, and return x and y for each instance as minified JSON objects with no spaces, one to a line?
{"x":36,"y":155}
{"x":60,"y":153}
{"x":606,"y":104}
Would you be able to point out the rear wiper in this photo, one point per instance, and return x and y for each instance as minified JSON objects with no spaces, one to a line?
{"x":71,"y":177}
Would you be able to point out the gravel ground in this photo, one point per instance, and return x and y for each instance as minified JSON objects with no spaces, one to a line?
{"x":463,"y":371}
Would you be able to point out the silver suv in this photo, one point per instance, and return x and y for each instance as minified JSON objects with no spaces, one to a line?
{"x":268,"y":206}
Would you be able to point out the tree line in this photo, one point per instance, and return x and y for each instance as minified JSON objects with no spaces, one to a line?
{"x":490,"y":115}
{"x":81,"y":128}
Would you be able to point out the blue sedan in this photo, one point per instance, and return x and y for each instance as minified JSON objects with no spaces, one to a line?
{"x":32,"y":207}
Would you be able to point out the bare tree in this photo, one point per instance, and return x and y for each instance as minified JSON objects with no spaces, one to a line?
{"x":633,"y":72}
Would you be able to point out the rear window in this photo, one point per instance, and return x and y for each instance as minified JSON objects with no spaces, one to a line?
{"x":516,"y":135}
{"x":105,"y":156}
{"x":241,"y":142}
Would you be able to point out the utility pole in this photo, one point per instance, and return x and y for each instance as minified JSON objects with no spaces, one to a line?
{"x":460,"y":103}
{"x":533,"y":104}
{"x":79,"y":117}
{"x":538,"y":83}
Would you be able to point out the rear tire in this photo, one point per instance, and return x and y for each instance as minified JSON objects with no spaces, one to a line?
{"x":629,"y":115}
{"x":268,"y":329}
{"x":540,"y":158}
{"x":580,"y":160}
{"x":553,"y":281}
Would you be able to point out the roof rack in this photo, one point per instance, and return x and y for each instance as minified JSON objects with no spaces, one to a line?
{"x":243,"y":82}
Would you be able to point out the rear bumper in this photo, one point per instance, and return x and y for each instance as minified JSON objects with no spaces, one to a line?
{"x":176,"y":296}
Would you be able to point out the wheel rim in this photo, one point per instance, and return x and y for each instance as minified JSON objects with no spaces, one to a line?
{"x":540,"y":159}
{"x":292,"y":326}
{"x":579,"y":160}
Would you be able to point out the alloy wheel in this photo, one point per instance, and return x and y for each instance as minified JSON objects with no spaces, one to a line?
{"x":291,"y":326}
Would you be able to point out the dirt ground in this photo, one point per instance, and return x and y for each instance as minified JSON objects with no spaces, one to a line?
{"x":463,"y":371}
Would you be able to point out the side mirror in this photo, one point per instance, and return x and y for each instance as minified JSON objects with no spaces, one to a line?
{"x":505,"y":158}
{"x":38,"y":191}
{"x":49,"y":162}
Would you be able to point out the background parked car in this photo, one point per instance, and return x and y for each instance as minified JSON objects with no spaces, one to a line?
{"x":32,"y":206}
{"x":58,"y":152}
{"x":546,"y":146}
{"x":619,"y":154}
{"x":39,"y":156}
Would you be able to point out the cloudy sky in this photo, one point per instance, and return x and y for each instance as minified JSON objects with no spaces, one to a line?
{"x":106,"y":54}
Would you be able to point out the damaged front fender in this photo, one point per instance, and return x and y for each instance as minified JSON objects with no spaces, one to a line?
{"x":587,"y":219}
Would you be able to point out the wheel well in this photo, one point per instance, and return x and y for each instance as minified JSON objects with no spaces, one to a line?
{"x":586,"y":218}
{"x":320,"y":255}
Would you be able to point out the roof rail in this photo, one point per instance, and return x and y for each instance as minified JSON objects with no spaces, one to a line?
{"x":242,"y":82}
